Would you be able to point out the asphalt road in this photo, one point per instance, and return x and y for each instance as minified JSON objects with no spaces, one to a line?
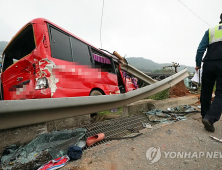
{"x":179,"y":145}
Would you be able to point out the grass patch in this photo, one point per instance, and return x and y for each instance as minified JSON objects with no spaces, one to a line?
{"x":117,"y":111}
{"x":160,"y":96}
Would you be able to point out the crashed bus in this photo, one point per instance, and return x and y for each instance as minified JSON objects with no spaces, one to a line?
{"x":44,"y":60}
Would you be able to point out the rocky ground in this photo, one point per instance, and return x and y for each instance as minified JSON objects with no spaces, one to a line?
{"x":187,"y":138}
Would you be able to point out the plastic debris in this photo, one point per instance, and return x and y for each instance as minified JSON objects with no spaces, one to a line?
{"x":164,"y":125}
{"x":182,"y":108}
{"x":147,"y":125}
{"x":218,"y":140}
{"x":44,"y":148}
{"x":114,"y":110}
{"x":55,"y":164}
{"x":81,"y":144}
{"x":171,"y":114}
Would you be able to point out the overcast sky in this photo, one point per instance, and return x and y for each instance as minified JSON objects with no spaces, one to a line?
{"x":160,"y":30}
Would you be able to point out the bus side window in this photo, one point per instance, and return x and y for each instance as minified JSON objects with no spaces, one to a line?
{"x":60,"y":45}
{"x":80,"y":52}
{"x":102,"y":61}
{"x":116,"y":68}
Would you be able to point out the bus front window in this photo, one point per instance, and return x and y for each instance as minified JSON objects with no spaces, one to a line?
{"x":21,"y":46}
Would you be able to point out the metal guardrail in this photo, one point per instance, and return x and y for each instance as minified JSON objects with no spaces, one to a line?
{"x":16,"y":113}
{"x":137,"y":73}
{"x":158,"y":76}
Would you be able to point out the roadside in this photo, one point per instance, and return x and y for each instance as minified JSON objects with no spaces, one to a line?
{"x":177,"y":91}
{"x":187,"y":136}
{"x":90,"y":153}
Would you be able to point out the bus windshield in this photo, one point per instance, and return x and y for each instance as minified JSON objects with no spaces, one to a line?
{"x":21,"y":46}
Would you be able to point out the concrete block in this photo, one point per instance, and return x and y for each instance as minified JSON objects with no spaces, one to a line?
{"x":68,"y":123}
{"x":146,"y":105}
{"x":137,"y":107}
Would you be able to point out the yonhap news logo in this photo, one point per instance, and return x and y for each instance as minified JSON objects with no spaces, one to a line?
{"x":153,"y":154}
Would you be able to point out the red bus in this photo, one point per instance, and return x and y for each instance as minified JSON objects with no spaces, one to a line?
{"x":44,"y":60}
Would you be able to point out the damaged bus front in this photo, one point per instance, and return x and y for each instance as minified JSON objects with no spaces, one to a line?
{"x":45,"y":61}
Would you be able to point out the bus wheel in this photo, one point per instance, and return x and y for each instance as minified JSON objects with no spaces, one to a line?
{"x":95,"y":93}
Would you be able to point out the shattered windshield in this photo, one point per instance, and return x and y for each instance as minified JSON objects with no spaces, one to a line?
{"x":21,"y":46}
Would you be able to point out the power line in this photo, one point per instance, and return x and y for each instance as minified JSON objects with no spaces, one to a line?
{"x":101,"y":25}
{"x":193,"y":12}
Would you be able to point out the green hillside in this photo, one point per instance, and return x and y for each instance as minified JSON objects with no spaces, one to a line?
{"x":150,"y":66}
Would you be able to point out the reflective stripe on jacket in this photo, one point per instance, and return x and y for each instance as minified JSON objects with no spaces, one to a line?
{"x":215,"y":34}
{"x":214,"y":50}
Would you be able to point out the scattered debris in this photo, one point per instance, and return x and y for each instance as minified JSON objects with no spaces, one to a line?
{"x":216,"y":139}
{"x":128,"y":137}
{"x":44,"y":148}
{"x":147,"y":125}
{"x":114,"y":110}
{"x":169,"y":132}
{"x":164,"y":125}
{"x":81,"y":144}
{"x":182,"y":109}
{"x":171,"y":114}
{"x":55,"y":164}
{"x":50,"y":147}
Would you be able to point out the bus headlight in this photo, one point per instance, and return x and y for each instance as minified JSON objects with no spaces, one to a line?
{"x":42,"y":83}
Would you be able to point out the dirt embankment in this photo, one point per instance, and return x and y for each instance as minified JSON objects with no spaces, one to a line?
{"x":179,"y":90}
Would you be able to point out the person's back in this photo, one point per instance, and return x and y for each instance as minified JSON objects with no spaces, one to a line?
{"x":212,"y":72}
{"x":214,"y":50}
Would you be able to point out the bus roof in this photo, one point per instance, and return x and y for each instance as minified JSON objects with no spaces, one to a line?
{"x":42,"y":20}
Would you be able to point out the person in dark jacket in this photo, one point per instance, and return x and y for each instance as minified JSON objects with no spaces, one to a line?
{"x":212,"y":73}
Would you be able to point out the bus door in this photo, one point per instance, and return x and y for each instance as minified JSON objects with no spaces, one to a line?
{"x":121,"y":82}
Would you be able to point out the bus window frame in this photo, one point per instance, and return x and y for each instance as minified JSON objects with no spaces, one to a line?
{"x":11,"y":44}
{"x":50,"y":40}
{"x":89,"y":48}
{"x":104,"y":55}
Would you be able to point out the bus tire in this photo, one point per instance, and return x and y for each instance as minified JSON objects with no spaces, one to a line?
{"x":95,"y":93}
